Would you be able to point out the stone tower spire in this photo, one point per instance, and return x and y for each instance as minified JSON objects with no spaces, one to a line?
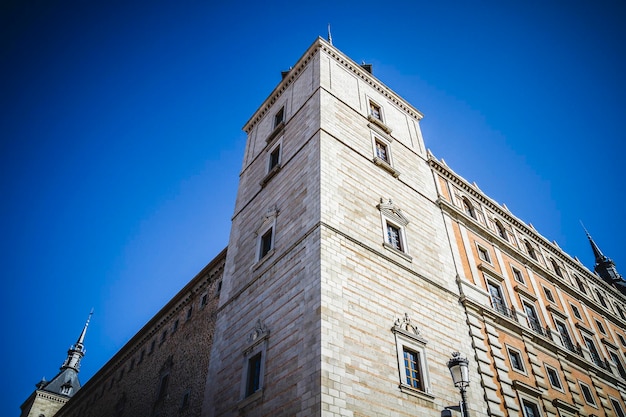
{"x":77,"y":351}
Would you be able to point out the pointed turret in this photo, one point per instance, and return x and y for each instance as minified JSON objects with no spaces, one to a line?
{"x":77,"y":351}
{"x":51,"y":395}
{"x":605,"y":267}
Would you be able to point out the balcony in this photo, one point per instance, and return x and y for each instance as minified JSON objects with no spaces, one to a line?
{"x":501,"y":308}
{"x":535,"y":325}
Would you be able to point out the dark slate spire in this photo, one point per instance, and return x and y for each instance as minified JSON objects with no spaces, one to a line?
{"x":66,"y":381}
{"x":77,"y":351}
{"x":605,"y":267}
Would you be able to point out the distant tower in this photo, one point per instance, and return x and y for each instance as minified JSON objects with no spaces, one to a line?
{"x":605,"y":267}
{"x":51,"y":395}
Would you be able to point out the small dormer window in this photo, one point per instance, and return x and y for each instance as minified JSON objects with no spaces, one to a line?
{"x":66,"y":389}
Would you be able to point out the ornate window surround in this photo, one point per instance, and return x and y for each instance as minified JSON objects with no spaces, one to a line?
{"x":408,"y":336}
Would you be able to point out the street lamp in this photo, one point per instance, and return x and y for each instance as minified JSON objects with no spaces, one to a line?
{"x":459,"y":369}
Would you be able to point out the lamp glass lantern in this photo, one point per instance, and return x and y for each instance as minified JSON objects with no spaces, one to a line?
{"x":459,"y":369}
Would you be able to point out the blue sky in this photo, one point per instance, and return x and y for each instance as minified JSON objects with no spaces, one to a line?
{"x":121,"y":141}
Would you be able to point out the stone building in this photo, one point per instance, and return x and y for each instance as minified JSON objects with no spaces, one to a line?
{"x":357,"y":264}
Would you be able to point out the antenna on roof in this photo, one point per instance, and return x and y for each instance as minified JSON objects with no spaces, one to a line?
{"x":330,"y":37}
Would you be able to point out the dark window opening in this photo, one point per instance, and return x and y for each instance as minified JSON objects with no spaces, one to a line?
{"x":253,"y":382}
{"x":266,"y":243}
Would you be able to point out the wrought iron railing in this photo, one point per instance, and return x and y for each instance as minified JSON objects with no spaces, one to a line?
{"x":501,"y":308}
{"x":535,"y":325}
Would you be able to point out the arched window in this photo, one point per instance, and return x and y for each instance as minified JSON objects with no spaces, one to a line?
{"x":580,"y":284}
{"x":556,"y":267}
{"x":530,"y":250}
{"x":468,"y":208}
{"x":501,"y":230}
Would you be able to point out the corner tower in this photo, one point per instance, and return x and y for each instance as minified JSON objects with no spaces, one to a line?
{"x":338,"y":257}
{"x":51,"y":395}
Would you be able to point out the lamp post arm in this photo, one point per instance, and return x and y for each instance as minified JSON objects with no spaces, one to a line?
{"x":464,"y":411}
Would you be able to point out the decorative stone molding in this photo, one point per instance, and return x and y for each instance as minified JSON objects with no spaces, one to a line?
{"x":405,"y":326}
{"x":393,"y":212}
{"x":259,"y":333}
{"x":268,"y":220}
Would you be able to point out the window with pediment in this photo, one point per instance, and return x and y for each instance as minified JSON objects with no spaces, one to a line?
{"x":411,"y":356}
{"x":394,"y":224}
{"x":254,"y":360}
{"x":266,"y":234}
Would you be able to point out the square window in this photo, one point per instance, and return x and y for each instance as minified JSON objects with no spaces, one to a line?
{"x":548,"y":294}
{"x":266,"y":243}
{"x":553,"y":376}
{"x":587,"y":394}
{"x":530,"y":408}
{"x":517,"y":275}
{"x":279,"y":117}
{"x":622,"y":340}
{"x":576,"y":312}
{"x":394,"y":237}
{"x":484,"y":254}
{"x":375,"y":111}
{"x":516,"y":360}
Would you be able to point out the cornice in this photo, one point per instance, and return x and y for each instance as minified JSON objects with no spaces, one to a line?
{"x":338,"y":56}
{"x":530,"y":231}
